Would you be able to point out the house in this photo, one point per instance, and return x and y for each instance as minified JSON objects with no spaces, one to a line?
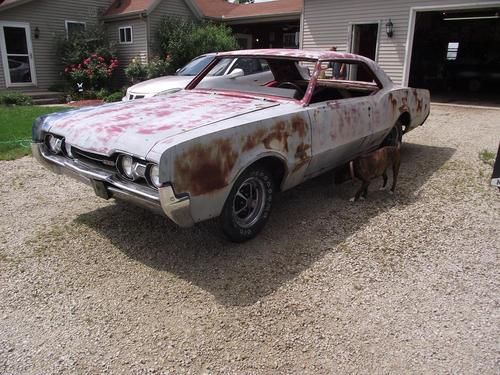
{"x":438,"y":44}
{"x":29,"y":30}
{"x":28,"y":35}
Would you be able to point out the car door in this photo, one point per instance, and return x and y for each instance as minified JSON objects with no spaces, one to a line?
{"x":339,"y":129}
{"x":343,"y":116}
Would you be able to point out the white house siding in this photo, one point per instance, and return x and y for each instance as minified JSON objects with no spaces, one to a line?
{"x":326,"y":23}
{"x":166,"y":8}
{"x":49,"y":16}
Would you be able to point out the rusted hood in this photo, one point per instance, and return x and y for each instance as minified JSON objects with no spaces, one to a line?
{"x":136,"y":126}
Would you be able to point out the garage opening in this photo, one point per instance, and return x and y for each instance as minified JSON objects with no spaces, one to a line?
{"x":456,"y":54}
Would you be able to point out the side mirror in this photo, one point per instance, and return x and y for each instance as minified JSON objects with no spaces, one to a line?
{"x":177,"y":71}
{"x":236,"y":73}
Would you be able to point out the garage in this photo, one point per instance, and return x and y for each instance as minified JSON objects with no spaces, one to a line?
{"x":455,"y":53}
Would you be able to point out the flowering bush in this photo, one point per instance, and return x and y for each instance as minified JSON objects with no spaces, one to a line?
{"x":156,"y":67}
{"x":94,"y":71}
{"x":88,"y":58}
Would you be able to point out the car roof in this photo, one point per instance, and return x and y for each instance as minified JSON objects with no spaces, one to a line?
{"x":295,"y":53}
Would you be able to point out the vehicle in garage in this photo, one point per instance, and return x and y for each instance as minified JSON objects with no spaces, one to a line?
{"x":223,"y":147}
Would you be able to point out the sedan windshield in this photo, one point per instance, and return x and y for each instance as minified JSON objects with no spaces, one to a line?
{"x":195,"y":66}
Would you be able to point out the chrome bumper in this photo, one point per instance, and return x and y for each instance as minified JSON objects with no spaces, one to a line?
{"x":106,"y":185}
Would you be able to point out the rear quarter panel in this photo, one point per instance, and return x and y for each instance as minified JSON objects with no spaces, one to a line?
{"x":416,"y":102}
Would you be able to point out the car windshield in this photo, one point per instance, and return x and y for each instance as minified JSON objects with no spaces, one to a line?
{"x":195,"y":66}
{"x":268,"y":76}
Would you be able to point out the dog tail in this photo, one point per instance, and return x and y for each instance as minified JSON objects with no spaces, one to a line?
{"x":351,"y":168}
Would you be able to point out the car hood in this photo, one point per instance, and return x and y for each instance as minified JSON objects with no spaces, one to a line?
{"x":157,"y":85}
{"x":136,"y":126}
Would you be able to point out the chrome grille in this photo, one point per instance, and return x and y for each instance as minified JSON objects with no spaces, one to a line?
{"x":102,"y":161}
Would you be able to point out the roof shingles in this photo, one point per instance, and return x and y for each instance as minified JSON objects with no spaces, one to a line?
{"x":215,"y":9}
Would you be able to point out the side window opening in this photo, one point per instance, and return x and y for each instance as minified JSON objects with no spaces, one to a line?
{"x":344,"y":79}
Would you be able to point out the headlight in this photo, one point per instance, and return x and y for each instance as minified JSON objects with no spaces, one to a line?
{"x":54,"y":143}
{"x":127,"y":166}
{"x":154,"y":176}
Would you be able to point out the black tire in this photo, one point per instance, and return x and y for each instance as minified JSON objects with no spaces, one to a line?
{"x":248,"y":206}
{"x":394,"y":138}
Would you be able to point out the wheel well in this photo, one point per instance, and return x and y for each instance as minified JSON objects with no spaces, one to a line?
{"x":404,"y":121}
{"x":276,"y":166}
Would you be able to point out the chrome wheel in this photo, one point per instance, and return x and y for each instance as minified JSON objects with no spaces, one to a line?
{"x":248,"y":205}
{"x":249,"y":202}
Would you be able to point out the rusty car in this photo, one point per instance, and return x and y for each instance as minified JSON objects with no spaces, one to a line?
{"x":222,"y":148}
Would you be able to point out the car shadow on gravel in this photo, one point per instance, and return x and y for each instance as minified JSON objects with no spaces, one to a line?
{"x":307,"y":222}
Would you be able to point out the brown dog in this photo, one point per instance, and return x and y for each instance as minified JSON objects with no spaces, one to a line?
{"x":373,"y":165}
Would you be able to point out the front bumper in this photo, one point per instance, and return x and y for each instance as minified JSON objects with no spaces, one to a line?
{"x":106,"y":185}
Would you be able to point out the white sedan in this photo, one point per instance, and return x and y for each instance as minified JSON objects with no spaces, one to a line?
{"x":241,"y":69}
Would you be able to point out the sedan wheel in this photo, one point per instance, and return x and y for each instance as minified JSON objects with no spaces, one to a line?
{"x":248,"y":206}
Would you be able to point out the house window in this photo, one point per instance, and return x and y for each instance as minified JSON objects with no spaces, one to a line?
{"x":125,"y":34}
{"x":74,"y":28}
{"x":452,"y":52}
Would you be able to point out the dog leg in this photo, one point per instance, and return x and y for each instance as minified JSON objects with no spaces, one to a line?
{"x":365,"y":191}
{"x":395,"y":172}
{"x":364,"y":186}
{"x":384,"y":176}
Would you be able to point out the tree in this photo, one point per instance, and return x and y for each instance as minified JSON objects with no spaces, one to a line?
{"x":181,"y":40}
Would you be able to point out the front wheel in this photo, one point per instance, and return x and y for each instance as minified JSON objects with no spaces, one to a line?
{"x":248,"y":206}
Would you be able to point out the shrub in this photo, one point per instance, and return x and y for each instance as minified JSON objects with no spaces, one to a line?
{"x":88,"y":58}
{"x":14,"y":98}
{"x":181,"y":40}
{"x":102,"y":93}
{"x":158,"y":67}
{"x":114,"y":97}
{"x":136,"y":71}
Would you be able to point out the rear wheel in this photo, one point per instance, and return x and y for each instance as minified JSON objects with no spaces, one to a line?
{"x":248,"y":206}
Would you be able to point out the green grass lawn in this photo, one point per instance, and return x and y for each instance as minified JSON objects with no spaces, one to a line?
{"x":15,"y":129}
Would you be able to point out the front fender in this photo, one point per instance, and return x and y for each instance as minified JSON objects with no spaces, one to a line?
{"x":205,"y":168}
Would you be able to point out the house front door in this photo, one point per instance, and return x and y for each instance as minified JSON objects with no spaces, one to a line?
{"x":17,"y":54}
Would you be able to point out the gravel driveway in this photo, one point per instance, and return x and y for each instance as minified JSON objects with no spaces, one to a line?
{"x":394,"y":284}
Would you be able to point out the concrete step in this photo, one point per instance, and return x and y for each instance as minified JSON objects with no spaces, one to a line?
{"x":54,"y":100}
{"x":46,"y":97}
